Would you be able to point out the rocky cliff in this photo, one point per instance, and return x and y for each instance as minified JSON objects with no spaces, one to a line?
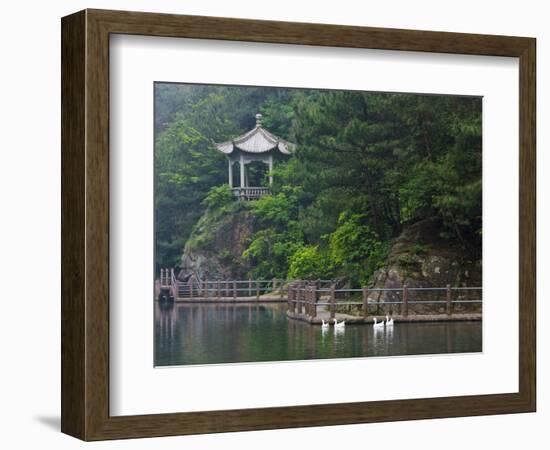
{"x":215,"y":248}
{"x":420,"y":258}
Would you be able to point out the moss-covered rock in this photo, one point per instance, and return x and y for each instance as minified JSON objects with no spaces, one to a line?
{"x":421,"y":258}
{"x":216,"y":245}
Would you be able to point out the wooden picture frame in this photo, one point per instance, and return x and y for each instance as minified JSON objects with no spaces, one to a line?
{"x":85,"y":224}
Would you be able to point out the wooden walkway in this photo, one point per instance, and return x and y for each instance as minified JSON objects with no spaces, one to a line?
{"x":254,"y":299}
{"x":312,"y":301}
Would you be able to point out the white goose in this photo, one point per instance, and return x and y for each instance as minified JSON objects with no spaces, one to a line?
{"x":389,"y":322}
{"x":324,"y":324}
{"x":377,"y":324}
{"x":339,"y":325}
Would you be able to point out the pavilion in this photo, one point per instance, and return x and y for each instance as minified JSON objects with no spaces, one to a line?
{"x":257,"y":144}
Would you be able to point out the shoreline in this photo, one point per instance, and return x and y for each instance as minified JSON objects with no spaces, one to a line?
{"x":412,"y":318}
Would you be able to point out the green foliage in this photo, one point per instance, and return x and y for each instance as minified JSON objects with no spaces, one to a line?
{"x":355,"y":249}
{"x":365,"y":166}
{"x":186,"y":167}
{"x":279,"y":237}
{"x":275,"y":210}
{"x":188,"y":120}
{"x":399,"y":157}
{"x":219,"y":197}
{"x":308,"y":263}
{"x":271,"y":250}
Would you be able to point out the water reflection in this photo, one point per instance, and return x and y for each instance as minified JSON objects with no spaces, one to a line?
{"x":226,"y":333}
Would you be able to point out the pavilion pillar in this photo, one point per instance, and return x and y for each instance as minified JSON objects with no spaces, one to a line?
{"x":257,"y":145}
{"x":241,"y":161}
{"x":270,"y":169}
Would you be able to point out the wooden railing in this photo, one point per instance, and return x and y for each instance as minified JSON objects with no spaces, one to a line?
{"x":165,"y":285}
{"x":229,"y":289}
{"x":196,"y":289}
{"x":166,"y":277}
{"x":173,"y":284}
{"x":305,"y":297}
{"x":250,"y":193}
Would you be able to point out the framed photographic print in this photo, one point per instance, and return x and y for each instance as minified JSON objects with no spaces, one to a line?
{"x":270,"y":224}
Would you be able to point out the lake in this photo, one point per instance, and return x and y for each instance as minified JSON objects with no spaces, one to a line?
{"x":228,"y":333}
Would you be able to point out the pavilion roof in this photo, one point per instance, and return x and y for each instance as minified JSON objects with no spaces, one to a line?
{"x":257,"y":140}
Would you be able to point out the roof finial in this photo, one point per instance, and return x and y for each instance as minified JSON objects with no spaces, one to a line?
{"x":258,"y":120}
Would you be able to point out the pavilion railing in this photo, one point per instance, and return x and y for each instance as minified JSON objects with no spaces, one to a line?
{"x":250,"y":193}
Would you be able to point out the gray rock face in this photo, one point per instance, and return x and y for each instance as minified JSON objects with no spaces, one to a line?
{"x":216,"y":246}
{"x":419,"y":258}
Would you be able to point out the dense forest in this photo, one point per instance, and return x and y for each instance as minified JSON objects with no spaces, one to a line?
{"x":365,"y":166}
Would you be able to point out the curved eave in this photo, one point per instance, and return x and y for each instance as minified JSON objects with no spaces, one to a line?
{"x":286,"y":148}
{"x":225,"y":147}
{"x":256,"y":141}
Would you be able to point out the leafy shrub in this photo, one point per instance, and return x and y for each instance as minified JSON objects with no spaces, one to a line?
{"x":355,"y":250}
{"x":275,"y":210}
{"x":219,"y":197}
{"x":308,"y":263}
{"x":270,"y":251}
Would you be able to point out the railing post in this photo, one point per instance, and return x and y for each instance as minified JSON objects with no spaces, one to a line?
{"x":405,"y":311}
{"x":218,"y":287}
{"x":289,"y":298}
{"x":205,"y":293}
{"x":332,"y":301}
{"x":249,"y":287}
{"x":274,"y":285}
{"x":365,"y":303}
{"x":234,"y":290}
{"x":317,"y":290}
{"x":449,"y":301}
{"x":288,"y":303}
{"x":307,"y":300}
{"x":313,"y":301}
{"x":257,"y":290}
{"x":294,"y":297}
{"x":190,"y":288}
{"x":281,"y":290}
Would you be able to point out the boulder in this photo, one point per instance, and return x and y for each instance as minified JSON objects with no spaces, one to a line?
{"x":421,"y":258}
{"x":215,"y":248}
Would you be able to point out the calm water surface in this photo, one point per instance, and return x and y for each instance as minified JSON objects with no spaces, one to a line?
{"x":229,"y":333}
